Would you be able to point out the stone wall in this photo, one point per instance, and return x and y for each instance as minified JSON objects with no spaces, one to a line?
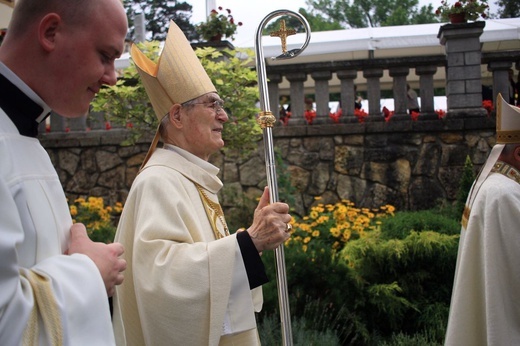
{"x":409,"y":164}
{"x":94,"y":163}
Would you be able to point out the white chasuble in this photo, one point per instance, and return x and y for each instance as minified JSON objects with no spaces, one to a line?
{"x":485,"y":304}
{"x":34,"y":232}
{"x":183,"y":286}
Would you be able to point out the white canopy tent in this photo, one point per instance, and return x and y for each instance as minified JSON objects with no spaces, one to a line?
{"x":389,"y":41}
{"x":383,"y":42}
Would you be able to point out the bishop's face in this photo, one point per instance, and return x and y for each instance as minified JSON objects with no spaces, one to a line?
{"x":203,"y":122}
{"x":84,"y":58}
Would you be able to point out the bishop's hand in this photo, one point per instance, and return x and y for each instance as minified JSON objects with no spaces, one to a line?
{"x":270,"y":224}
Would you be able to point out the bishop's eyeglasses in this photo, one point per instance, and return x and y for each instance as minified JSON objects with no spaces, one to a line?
{"x":217,"y":105}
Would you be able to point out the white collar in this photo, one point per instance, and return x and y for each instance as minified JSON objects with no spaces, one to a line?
{"x":13,"y":78}
{"x":193,"y":159}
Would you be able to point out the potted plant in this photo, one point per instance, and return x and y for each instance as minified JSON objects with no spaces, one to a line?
{"x":462,"y":10}
{"x":218,"y":25}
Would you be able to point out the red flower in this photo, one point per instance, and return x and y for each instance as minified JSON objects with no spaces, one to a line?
{"x":335,"y":116}
{"x":388,"y":114}
{"x":107,"y":125}
{"x":285,"y":119}
{"x":415,"y":115}
{"x":488,"y":105}
{"x":310,"y":115}
{"x":360,"y":114}
{"x":440,"y":113}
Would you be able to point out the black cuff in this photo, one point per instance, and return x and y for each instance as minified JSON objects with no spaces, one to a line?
{"x":255,"y":269}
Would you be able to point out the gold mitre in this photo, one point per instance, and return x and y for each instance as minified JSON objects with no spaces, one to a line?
{"x":177,"y":77}
{"x":508,"y":122}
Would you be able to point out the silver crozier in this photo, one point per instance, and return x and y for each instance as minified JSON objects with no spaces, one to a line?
{"x":266,"y":120}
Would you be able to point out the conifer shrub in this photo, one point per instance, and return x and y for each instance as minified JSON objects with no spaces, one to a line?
{"x":466,"y":181}
{"x":418,"y":339}
{"x":405,"y":284}
{"x":303,"y":332}
{"x":404,"y":222}
{"x":376,"y":275}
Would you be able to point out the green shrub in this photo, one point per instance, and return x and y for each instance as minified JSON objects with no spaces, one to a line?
{"x":314,"y":327}
{"x":389,"y":280}
{"x":99,"y":220}
{"x":466,"y":181}
{"x":418,"y":339}
{"x":404,"y":284}
{"x":404,"y":222}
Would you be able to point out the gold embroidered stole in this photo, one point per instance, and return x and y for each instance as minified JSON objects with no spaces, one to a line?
{"x":507,"y":170}
{"x":215,"y":214}
{"x":465,"y":216}
{"x":46,"y":306}
{"x":501,"y":168}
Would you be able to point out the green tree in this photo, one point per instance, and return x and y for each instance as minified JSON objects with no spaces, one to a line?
{"x":127,"y":103}
{"x":373,"y":13}
{"x":236,"y":82}
{"x":158,"y":14}
{"x":466,"y":181}
{"x":508,"y":8}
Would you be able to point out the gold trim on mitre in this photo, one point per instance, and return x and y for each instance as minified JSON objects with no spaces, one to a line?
{"x":177,"y":77}
{"x":508,"y":122}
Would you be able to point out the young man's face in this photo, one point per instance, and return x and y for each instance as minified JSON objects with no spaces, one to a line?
{"x":84,"y":59}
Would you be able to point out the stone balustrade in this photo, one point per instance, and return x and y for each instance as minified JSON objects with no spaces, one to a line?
{"x":410,"y":164}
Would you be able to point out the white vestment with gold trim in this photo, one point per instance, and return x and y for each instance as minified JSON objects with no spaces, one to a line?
{"x":485,"y":304}
{"x":34,"y":232}
{"x":182,"y":286}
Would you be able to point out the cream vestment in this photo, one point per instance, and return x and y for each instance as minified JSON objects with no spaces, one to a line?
{"x":485,"y":309}
{"x":182,"y":285}
{"x":34,"y":231}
